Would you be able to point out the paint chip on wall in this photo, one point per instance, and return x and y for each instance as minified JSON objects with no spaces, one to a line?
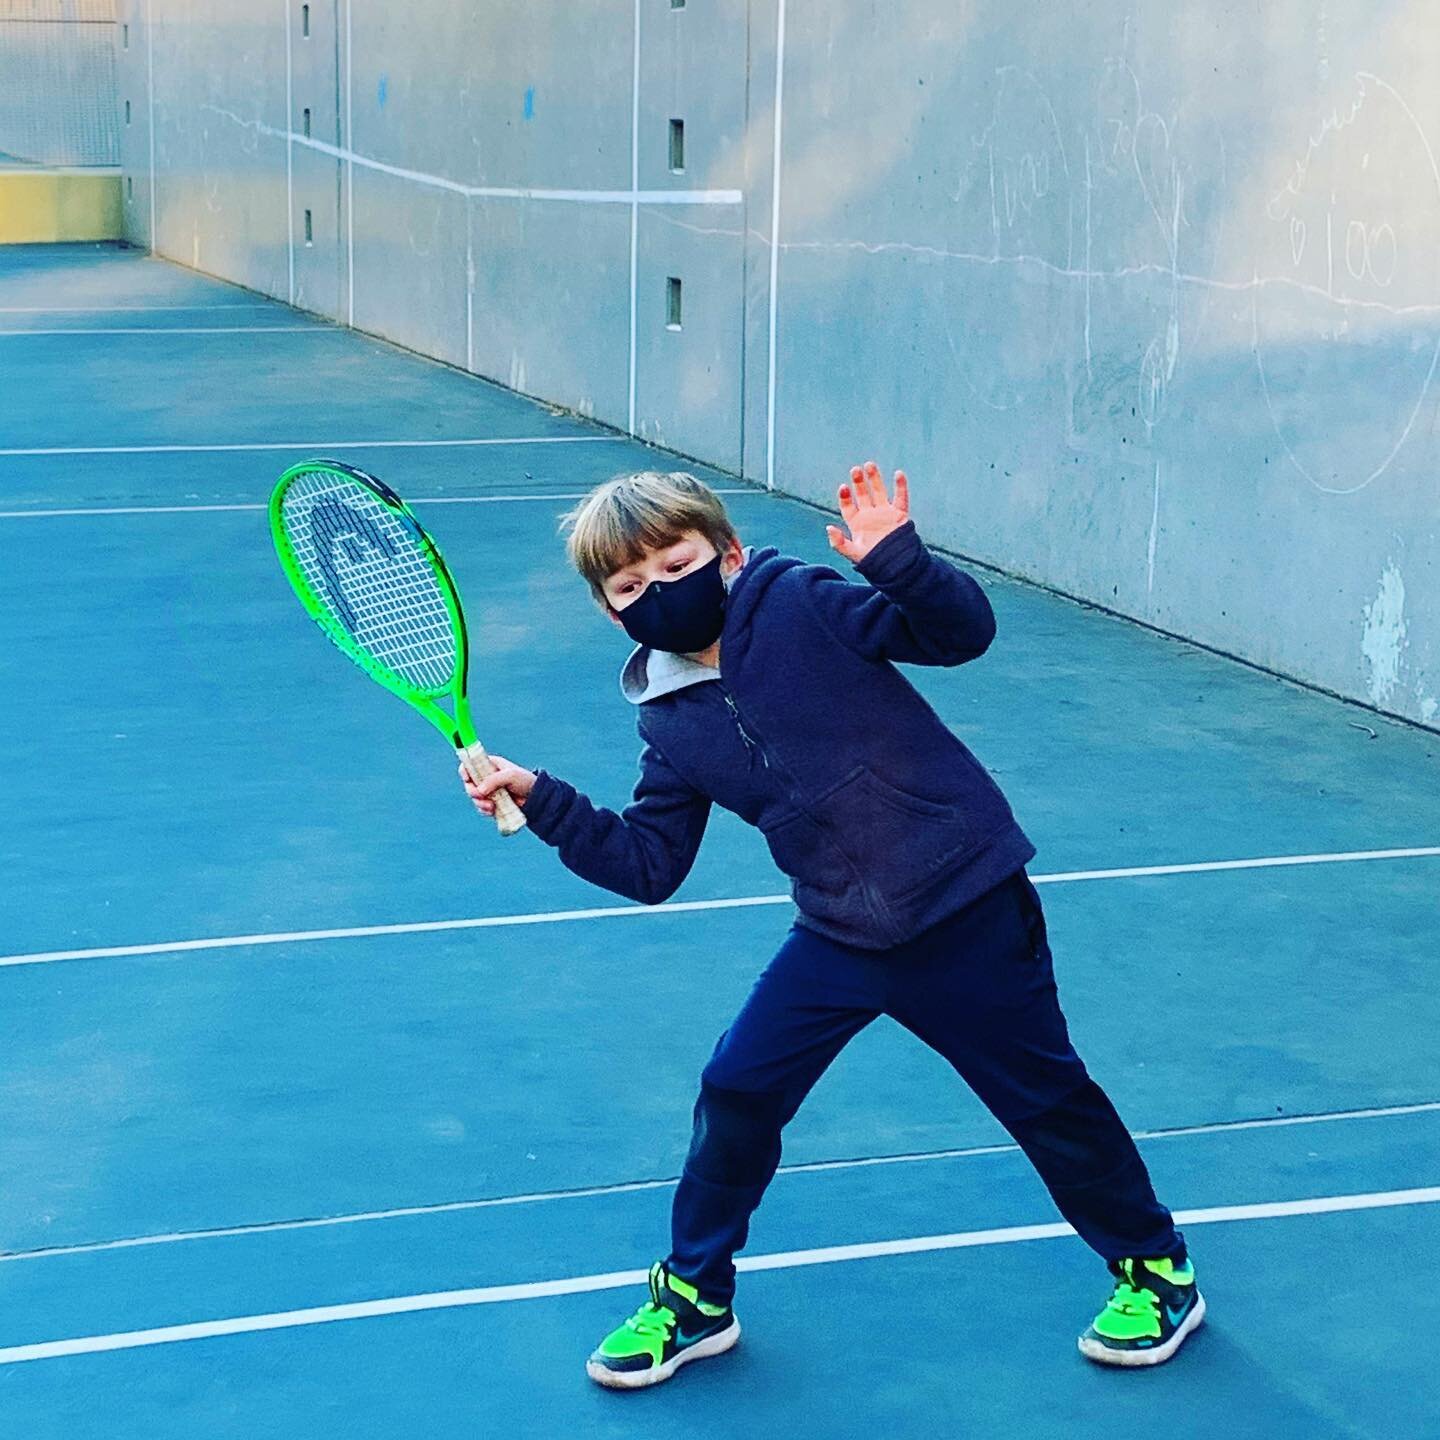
{"x":1384,"y":636}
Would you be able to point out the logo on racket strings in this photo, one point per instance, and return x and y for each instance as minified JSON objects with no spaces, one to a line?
{"x":353,"y":554}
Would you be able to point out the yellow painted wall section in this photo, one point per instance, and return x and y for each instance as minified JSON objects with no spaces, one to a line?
{"x":43,"y":206}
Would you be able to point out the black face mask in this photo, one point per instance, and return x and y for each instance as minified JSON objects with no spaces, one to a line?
{"x":683,"y":616}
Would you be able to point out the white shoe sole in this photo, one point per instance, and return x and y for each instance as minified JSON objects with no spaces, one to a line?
{"x":715,"y":1344}
{"x":1102,"y":1354}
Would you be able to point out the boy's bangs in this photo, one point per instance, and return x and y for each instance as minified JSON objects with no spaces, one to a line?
{"x":622,"y":520}
{"x":627,"y":527}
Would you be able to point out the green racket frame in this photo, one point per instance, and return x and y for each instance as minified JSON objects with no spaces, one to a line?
{"x":459,"y":728}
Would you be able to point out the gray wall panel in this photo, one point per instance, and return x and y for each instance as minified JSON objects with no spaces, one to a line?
{"x":57,"y":82}
{"x":217,"y":94}
{"x":408,"y":286}
{"x":504,"y":94}
{"x":1117,"y":335}
{"x":693,"y":67}
{"x":688,"y":380}
{"x":319,"y":257}
{"x":551,"y":306}
{"x":1147,"y":300}
{"x":319,"y":260}
{"x":132,"y":86}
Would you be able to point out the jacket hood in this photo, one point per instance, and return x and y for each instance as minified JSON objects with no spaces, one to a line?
{"x":648,"y":674}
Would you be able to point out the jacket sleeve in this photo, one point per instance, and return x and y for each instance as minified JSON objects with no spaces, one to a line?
{"x":644,"y":852}
{"x":917,"y":609}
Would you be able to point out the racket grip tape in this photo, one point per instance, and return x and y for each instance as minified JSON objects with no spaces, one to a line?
{"x":508,"y":815}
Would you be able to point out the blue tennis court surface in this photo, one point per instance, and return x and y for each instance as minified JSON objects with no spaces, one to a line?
{"x":415,"y":1163}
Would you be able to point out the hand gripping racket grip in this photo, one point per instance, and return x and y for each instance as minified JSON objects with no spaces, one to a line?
{"x":508,"y":816}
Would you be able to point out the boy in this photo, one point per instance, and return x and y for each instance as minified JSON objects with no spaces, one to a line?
{"x":769,"y":686}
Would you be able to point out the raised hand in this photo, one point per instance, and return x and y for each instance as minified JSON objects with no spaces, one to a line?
{"x":868,"y":512}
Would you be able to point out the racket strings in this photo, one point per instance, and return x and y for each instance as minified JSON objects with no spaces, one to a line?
{"x":367,"y":569}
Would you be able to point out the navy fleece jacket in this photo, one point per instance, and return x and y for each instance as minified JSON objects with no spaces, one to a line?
{"x":883,"y":820}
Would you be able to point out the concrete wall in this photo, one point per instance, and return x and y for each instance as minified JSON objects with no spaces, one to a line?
{"x":57,"y":82}
{"x":1145,"y":298}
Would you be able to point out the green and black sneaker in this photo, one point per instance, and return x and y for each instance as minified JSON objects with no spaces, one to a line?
{"x":1156,"y":1304}
{"x":672,"y":1327}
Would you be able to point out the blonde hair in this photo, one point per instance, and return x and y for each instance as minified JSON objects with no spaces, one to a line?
{"x":617,"y":522}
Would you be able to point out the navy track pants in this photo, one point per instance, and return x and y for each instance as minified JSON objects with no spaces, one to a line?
{"x":979,"y":988}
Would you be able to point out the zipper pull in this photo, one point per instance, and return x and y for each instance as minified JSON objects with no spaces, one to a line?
{"x":744,"y":734}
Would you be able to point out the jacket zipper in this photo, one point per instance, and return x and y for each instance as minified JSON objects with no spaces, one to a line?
{"x":874,"y":905}
{"x":751,"y":746}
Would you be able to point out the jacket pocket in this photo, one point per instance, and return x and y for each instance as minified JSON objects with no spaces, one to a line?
{"x":803,"y":850}
{"x":902,"y":842}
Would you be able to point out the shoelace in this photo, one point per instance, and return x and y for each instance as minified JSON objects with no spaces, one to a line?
{"x":1127,"y":1300}
{"x":1130,"y":1299}
{"x":652,"y":1319}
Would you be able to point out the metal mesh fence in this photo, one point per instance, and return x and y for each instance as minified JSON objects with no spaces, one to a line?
{"x":57,"y":82}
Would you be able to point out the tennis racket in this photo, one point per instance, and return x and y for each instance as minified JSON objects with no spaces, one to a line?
{"x":374,"y":582}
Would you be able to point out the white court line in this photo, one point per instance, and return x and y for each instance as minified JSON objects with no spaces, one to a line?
{"x":1270,"y":862}
{"x":316,"y":447}
{"x":631,"y":1187}
{"x":673,"y":907}
{"x":221,"y":509}
{"x":614,"y":1280}
{"x":276,"y":305}
{"x":319,"y":329}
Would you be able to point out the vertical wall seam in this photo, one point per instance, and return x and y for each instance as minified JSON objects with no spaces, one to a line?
{"x":745,"y":241}
{"x":289,"y":156}
{"x":150,"y":105}
{"x":634,"y":210}
{"x":349,"y":167}
{"x":775,"y":241}
{"x":469,"y":284}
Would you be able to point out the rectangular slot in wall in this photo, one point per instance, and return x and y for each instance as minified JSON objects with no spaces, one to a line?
{"x":306,"y":120}
{"x":672,"y":303}
{"x":677,"y":4}
{"x":677,"y":146}
{"x":129,"y":187}
{"x":127,"y":112}
{"x":124,"y":37}
{"x":305,"y":21}
{"x":309,"y":229}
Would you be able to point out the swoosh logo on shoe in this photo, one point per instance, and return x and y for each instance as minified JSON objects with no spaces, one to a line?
{"x":1177,"y":1315}
{"x":684,"y":1341}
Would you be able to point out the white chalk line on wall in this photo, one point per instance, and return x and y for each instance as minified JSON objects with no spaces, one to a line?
{"x":631,"y":196}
